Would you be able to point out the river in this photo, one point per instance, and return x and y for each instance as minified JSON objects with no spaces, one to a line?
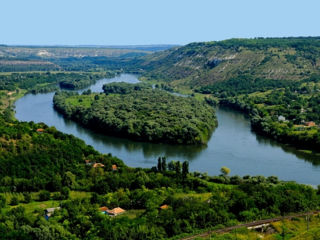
{"x":232,"y":144}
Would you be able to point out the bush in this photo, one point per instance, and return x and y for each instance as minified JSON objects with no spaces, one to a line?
{"x":44,"y":195}
{"x":14,"y":201}
{"x":27,"y":197}
{"x":65,"y":192}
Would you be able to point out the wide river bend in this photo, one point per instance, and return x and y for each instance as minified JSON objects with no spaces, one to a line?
{"x":232,"y":144}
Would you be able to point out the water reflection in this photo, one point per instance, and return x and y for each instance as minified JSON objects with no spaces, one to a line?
{"x":310,"y":156}
{"x":149,"y":150}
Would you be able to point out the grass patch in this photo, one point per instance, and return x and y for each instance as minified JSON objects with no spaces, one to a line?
{"x":133,"y":213}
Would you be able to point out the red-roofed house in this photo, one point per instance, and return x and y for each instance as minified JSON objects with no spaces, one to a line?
{"x":116,"y":211}
{"x":103,"y":209}
{"x":165,"y":206}
{"x":310,"y":124}
{"x":40,"y":130}
{"x":96,"y":165}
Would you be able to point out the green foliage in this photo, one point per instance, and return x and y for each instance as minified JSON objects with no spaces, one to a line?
{"x":281,"y":113}
{"x":14,"y":201}
{"x":30,"y":161}
{"x":46,"y":82}
{"x":44,"y":195}
{"x":141,"y":113}
{"x":225,"y":171}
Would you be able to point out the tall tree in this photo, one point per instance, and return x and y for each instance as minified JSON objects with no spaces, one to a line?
{"x":185,"y":168}
{"x":159,"y":165}
{"x":164,"y":164}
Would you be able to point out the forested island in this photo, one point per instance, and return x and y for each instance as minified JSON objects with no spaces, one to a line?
{"x":141,"y":113}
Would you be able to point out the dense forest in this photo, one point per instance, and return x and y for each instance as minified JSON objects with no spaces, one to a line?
{"x":140,"y":113}
{"x":48,"y":168}
{"x":36,"y":82}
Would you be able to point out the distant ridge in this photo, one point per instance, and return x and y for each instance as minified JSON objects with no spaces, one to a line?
{"x":152,"y":47}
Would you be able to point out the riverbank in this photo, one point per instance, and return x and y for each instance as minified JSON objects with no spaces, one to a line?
{"x":302,"y":137}
{"x":232,"y":144}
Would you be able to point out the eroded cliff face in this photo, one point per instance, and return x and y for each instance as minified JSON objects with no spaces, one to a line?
{"x":201,"y":64}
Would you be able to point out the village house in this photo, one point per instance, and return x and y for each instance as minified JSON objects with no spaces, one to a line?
{"x":88,"y":162}
{"x":310,"y":124}
{"x":49,"y":211}
{"x":114,"y":167}
{"x":163,"y":207}
{"x":115,"y":212}
{"x":96,"y":165}
{"x":103,"y":209}
{"x":40,"y":130}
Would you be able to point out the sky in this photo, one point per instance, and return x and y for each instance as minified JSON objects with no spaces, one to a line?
{"x":139,"y":22}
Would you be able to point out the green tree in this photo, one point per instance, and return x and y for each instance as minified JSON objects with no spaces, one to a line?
{"x":44,"y":195}
{"x":159,"y":165}
{"x":178,"y":167}
{"x":65,"y":192}
{"x":2,"y":201}
{"x":164,"y":164}
{"x":225,"y":171}
{"x":14,"y":201}
{"x":27,"y":197}
{"x":185,"y":168}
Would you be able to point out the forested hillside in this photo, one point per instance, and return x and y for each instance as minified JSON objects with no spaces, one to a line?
{"x":42,"y":168}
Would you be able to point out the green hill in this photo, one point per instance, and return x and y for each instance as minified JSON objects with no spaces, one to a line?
{"x":202,"y":64}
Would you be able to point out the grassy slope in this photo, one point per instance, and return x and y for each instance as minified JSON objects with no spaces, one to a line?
{"x":201,"y":64}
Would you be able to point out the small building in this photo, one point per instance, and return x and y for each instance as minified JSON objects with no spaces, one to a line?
{"x":114,"y":167}
{"x":115,"y":212}
{"x":40,"y":130}
{"x":103,"y":209}
{"x":88,"y":162}
{"x":49,"y":211}
{"x":163,"y":207}
{"x":97,"y":165}
{"x":281,"y":118}
{"x":310,"y":124}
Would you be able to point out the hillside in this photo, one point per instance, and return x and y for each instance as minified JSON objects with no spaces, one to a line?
{"x":57,"y":58}
{"x":201,"y":64}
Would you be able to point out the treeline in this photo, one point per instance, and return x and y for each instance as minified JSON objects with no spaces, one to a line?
{"x":48,"y":81}
{"x":304,"y":43}
{"x":140,"y":113}
{"x":245,"y":84}
{"x":279,"y":109}
{"x":267,"y":121}
{"x":34,"y":156}
{"x":124,"y":88}
{"x":193,"y":202}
